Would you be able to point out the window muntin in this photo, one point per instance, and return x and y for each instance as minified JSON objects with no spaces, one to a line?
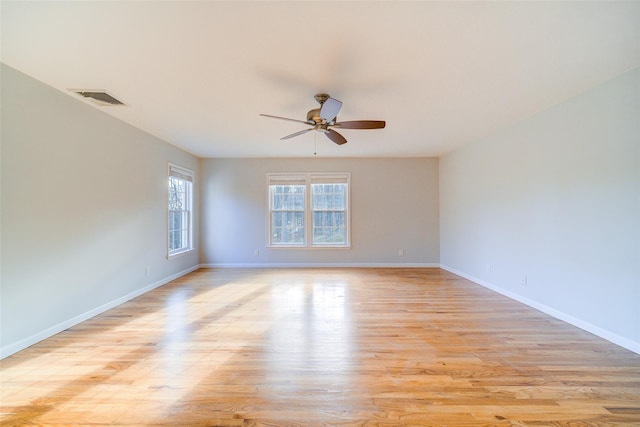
{"x":309,"y":210}
{"x":180,"y":216}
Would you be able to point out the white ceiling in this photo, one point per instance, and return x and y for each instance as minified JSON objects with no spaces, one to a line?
{"x":442,"y":74}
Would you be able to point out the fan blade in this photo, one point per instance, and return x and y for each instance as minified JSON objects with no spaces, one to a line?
{"x":330,"y":109}
{"x":362,"y":124}
{"x":297,"y":133}
{"x":285,"y":118}
{"x":335,"y":137}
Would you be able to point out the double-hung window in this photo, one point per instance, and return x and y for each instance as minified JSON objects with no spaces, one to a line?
{"x":180,"y":218}
{"x":309,"y":210}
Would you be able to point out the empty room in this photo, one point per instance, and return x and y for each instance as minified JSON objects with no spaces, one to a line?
{"x":246,"y":213}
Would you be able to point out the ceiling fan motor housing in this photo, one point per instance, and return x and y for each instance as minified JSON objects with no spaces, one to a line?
{"x":313,"y":116}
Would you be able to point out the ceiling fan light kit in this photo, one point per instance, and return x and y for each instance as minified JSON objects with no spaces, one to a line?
{"x":321,"y":119}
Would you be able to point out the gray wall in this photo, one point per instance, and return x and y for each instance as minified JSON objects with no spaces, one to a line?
{"x":394,"y":205}
{"x":555,"y":198}
{"x":83,"y":211}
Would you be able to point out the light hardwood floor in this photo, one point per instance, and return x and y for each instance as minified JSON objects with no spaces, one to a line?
{"x":387,"y":347}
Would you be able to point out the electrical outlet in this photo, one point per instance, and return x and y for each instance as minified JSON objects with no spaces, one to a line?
{"x":400,"y":252}
{"x":524,"y":281}
{"x":147,"y":271}
{"x":487,"y":268}
{"x":256,"y":252}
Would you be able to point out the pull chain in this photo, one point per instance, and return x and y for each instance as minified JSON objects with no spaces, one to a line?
{"x":315,"y":143}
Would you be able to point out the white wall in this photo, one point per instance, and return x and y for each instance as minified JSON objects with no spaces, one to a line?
{"x":394,"y":205}
{"x":556,"y":198}
{"x":83,"y":211}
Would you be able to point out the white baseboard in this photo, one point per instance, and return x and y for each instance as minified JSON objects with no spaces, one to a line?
{"x":320,"y":265}
{"x":596,"y":330}
{"x":9,"y":349}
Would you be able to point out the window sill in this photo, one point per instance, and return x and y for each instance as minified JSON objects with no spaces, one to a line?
{"x":310,"y":247}
{"x":180,"y":254}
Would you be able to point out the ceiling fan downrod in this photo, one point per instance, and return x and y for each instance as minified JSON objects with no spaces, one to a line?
{"x":321,"y":98}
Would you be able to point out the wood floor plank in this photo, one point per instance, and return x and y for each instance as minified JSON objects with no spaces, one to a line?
{"x":344,"y":347}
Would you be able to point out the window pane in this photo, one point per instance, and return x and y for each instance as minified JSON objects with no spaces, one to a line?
{"x":328,"y":227}
{"x":276,"y":219}
{"x":287,"y":228}
{"x":184,"y":238}
{"x":276,"y":227}
{"x":287,"y":214}
{"x":174,"y":240}
{"x":174,"y":193}
{"x":287,"y":197}
{"x":171,"y":220}
{"x":276,"y":201}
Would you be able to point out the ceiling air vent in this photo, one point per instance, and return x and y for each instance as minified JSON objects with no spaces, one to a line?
{"x":99,"y":97}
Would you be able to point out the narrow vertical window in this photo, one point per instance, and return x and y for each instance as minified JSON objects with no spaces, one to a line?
{"x":180,"y":218}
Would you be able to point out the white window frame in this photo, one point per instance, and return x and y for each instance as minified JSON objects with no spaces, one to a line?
{"x":186,"y":175}
{"x":307,"y":179}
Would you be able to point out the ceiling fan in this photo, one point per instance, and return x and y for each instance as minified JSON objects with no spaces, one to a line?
{"x":323,"y":118}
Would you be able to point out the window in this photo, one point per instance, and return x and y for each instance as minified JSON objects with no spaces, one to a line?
{"x":309,"y":210}
{"x":180,"y":221}
{"x":287,"y":214}
{"x":328,"y":206}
